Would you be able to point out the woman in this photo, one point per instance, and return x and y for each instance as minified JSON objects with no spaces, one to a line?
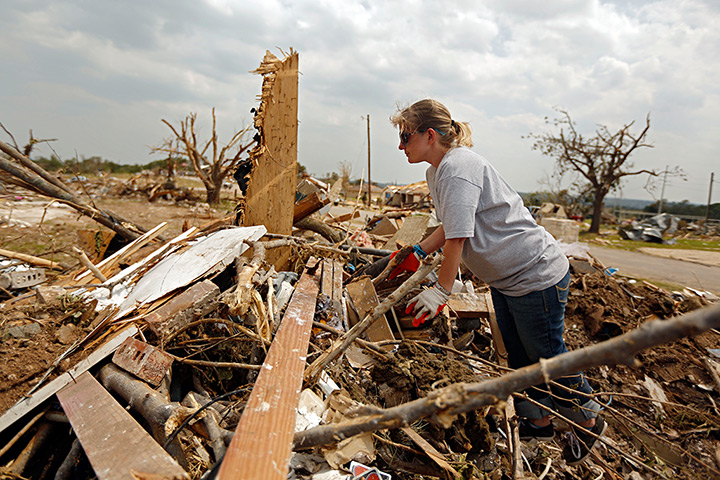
{"x":485,"y":224}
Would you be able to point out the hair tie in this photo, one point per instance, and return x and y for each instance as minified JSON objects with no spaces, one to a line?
{"x":452,"y":124}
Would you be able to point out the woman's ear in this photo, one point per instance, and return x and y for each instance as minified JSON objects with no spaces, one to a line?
{"x":432,"y":135}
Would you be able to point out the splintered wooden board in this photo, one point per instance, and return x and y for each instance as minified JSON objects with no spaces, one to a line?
{"x":262,"y":444}
{"x":114,"y":442}
{"x":270,"y":196}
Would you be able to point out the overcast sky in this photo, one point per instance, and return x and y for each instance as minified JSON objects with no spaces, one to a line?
{"x":100,"y":75}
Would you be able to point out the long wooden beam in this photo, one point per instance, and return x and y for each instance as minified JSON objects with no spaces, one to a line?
{"x":261,"y":447}
{"x":114,"y":442}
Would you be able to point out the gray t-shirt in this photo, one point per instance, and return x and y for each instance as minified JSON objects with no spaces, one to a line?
{"x":505,"y":247}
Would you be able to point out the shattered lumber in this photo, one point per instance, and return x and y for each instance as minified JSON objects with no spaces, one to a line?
{"x":262,"y":443}
{"x":270,"y":195}
{"x":458,"y":398}
{"x":239,"y":301}
{"x":37,"y":183}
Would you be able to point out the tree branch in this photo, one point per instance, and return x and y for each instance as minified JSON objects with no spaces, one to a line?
{"x":463,"y":397}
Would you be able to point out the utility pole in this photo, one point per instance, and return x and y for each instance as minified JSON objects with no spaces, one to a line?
{"x":707,"y":210}
{"x":369,"y":195}
{"x":662,"y":191}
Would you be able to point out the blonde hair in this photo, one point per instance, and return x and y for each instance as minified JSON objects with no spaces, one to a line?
{"x":430,"y":113}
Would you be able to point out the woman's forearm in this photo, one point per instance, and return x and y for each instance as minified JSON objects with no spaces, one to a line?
{"x":452,"y":255}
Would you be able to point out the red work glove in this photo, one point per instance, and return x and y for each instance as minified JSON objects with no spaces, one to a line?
{"x":427,"y":304}
{"x":410,"y":264}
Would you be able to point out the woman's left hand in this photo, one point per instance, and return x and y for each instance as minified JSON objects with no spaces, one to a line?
{"x":427,"y":304}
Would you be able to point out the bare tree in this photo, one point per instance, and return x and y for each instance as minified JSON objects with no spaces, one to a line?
{"x":222,"y":161}
{"x":345,"y":171}
{"x":601,"y":161}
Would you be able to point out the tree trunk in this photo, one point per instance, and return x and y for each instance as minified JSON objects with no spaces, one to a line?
{"x":597,"y":211}
{"x":34,"y":182}
{"x":213,"y":195}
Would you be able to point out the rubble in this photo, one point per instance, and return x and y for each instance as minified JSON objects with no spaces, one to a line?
{"x":651,"y":230}
{"x":218,"y":353}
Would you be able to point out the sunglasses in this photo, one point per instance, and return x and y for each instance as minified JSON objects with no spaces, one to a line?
{"x":405,"y":137}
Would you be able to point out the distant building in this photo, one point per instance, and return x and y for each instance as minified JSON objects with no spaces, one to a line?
{"x":351,"y":193}
{"x":416,"y":194}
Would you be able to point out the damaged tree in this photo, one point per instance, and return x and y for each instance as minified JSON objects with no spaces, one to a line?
{"x":30,"y":176}
{"x":601,"y":161}
{"x":223,"y":161}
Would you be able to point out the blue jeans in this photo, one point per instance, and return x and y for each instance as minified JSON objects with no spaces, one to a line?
{"x":532,"y":328}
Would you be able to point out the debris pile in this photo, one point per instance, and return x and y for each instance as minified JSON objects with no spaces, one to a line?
{"x":145,"y":185}
{"x":180,"y":337}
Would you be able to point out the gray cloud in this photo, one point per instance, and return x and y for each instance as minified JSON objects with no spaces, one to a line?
{"x":100,"y":75}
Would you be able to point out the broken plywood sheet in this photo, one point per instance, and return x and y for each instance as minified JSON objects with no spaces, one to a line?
{"x":204,"y":256}
{"x":94,"y":242}
{"x":27,"y":404}
{"x":412,"y":232}
{"x":114,"y":442}
{"x":384,"y":226}
{"x":364,"y":299}
{"x":262,"y":443}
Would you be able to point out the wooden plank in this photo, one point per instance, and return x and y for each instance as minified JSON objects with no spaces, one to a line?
{"x":500,"y":351}
{"x":344,"y":218}
{"x":332,"y":283}
{"x":114,"y":442}
{"x":363,"y":296}
{"x":142,"y":360}
{"x":271,"y":190}
{"x":411,"y":232}
{"x":337,"y":281}
{"x":468,"y":305}
{"x":262,"y":444}
{"x":27,"y":404}
{"x":431,"y":452}
{"x":40,"y":262}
